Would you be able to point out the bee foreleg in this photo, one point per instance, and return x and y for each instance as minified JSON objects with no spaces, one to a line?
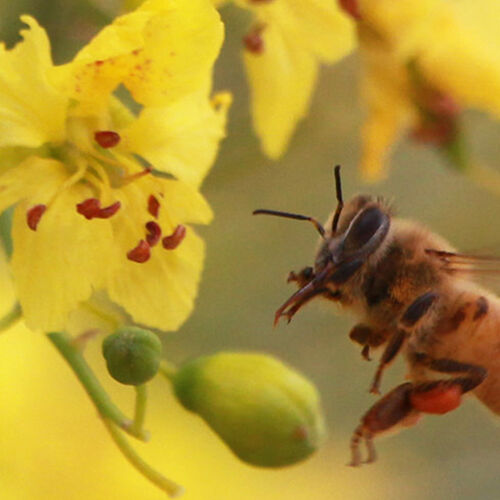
{"x":367,"y":337}
{"x":409,"y":321}
{"x":393,"y":409}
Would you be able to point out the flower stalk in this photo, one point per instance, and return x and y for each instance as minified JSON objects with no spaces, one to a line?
{"x":107,"y":409}
{"x":168,"y":486}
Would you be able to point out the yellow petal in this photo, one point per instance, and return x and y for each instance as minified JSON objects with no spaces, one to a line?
{"x":181,"y":42}
{"x":181,"y":139}
{"x":159,"y":293}
{"x":379,"y":132}
{"x":160,"y":52}
{"x":183,"y":204}
{"x":387,"y":101}
{"x":35,"y":179}
{"x":316,"y":25}
{"x":281,"y":80}
{"x":455,"y":44}
{"x":57,"y":266}
{"x":32,"y":111}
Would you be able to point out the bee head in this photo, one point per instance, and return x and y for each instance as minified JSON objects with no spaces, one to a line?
{"x":359,"y":232}
{"x":354,"y":233}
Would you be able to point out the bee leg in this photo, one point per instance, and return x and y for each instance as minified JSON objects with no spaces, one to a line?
{"x":302,"y":277}
{"x":367,"y":337}
{"x":390,"y":352}
{"x":442,"y":396}
{"x":393,"y":409}
{"x":409,"y":320}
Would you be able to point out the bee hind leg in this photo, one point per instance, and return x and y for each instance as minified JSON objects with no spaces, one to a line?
{"x":389,"y":412}
{"x":403,"y":406}
{"x":442,"y":396}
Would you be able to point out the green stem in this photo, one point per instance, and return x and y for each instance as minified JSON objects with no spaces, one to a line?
{"x":168,"y":486}
{"x":11,"y":317}
{"x":141,"y":397}
{"x":168,"y":370}
{"x":64,"y":344}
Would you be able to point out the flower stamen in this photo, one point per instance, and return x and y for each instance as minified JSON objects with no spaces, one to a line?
{"x":153,"y":206}
{"x":175,"y":239}
{"x":253,"y":40}
{"x":154,"y":233}
{"x":34,"y":214}
{"x":91,"y":209}
{"x":133,"y":177}
{"x":107,"y":138}
{"x":141,"y":253}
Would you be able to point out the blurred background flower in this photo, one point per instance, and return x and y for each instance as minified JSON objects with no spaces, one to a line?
{"x":53,"y":446}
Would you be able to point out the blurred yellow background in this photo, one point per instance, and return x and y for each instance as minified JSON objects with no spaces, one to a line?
{"x":52,"y":445}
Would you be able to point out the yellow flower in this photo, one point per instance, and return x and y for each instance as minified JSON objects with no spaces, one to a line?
{"x":103,"y":196}
{"x":283,"y":50}
{"x":423,"y":59}
{"x":53,"y":446}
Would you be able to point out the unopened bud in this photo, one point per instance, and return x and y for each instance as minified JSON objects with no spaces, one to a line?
{"x":268,"y":414}
{"x":132,"y":355}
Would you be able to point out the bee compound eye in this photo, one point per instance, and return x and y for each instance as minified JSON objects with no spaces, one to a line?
{"x":364,"y":227}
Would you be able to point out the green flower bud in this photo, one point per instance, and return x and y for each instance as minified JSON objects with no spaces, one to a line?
{"x":268,"y":414}
{"x":132,"y":355}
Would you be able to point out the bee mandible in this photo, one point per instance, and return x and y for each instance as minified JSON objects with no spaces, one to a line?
{"x":415,"y":295}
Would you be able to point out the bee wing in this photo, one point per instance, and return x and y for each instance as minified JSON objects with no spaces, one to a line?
{"x":466,"y":263}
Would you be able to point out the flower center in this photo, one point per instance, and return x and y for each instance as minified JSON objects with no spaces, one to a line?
{"x":91,"y":159}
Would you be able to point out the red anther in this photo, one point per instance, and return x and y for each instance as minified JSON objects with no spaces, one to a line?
{"x":154,"y":233}
{"x":438,"y":400}
{"x":174,"y":240}
{"x":351,"y":7}
{"x":89,"y":208}
{"x":107,"y":138}
{"x":153,"y":206}
{"x":141,"y":253}
{"x":253,"y":40}
{"x":34,"y":214}
{"x":109,"y":211}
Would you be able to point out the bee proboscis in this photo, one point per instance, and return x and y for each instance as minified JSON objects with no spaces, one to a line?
{"x":414,"y":294}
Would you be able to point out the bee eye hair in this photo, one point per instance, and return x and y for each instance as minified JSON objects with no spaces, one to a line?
{"x":363,"y":227}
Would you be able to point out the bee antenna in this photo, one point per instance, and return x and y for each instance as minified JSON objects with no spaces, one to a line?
{"x":287,"y":215}
{"x":340,"y":201}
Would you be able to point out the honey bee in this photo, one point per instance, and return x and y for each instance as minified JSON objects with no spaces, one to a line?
{"x":414,"y":295}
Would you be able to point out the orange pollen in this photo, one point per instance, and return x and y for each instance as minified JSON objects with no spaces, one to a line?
{"x":34,"y":214}
{"x":141,"y":253}
{"x":174,"y":240}
{"x":154,"y":233}
{"x":253,"y":41}
{"x":439,"y":400}
{"x":91,"y":209}
{"x":351,"y":7}
{"x":107,"y":138}
{"x":153,"y":206}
